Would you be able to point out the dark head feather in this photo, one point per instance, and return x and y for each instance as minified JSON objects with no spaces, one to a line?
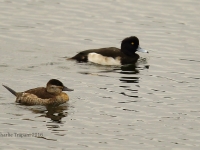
{"x":131,"y":39}
{"x":55,"y":82}
{"x":129,"y":45}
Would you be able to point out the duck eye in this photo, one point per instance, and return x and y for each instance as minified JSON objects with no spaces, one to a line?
{"x":132,"y":43}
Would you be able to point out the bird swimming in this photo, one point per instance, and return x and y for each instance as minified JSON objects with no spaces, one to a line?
{"x":50,"y":95}
{"x":113,"y":55}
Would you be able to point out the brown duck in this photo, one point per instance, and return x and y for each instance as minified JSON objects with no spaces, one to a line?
{"x":50,"y":95}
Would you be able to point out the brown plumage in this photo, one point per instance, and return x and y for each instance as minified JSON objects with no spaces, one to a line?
{"x":51,"y":95}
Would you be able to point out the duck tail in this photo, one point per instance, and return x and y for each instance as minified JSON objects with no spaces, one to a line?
{"x":70,"y":58}
{"x":11,"y":90}
{"x":66,"y":57}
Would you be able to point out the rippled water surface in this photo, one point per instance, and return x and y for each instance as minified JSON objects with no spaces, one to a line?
{"x":151,"y":105}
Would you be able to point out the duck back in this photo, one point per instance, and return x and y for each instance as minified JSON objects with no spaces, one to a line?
{"x":40,"y":92}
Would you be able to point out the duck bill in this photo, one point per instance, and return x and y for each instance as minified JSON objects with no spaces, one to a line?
{"x":139,"y":49}
{"x":67,"y":89}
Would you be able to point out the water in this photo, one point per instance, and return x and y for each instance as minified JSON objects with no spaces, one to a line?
{"x":153,"y":105}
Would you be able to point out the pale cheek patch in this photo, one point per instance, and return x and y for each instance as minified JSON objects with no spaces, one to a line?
{"x":99,"y":59}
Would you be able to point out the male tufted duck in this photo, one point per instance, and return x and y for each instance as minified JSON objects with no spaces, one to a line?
{"x":112,"y":55}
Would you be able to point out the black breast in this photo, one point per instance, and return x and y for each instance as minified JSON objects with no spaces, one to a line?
{"x":129,"y":60}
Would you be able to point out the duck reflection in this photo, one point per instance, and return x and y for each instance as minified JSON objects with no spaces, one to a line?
{"x":129,"y":75}
{"x":54,"y":113}
{"x":129,"y":79}
{"x":131,"y":69}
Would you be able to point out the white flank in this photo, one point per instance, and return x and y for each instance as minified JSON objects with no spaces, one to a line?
{"x":99,"y":59}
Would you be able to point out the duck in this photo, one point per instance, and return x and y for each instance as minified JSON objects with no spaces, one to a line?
{"x":51,"y":95}
{"x":113,"y":55}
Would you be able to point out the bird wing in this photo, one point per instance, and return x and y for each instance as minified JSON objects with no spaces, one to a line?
{"x":40,"y":92}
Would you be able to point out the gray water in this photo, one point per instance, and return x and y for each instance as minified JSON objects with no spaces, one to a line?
{"x":153,"y":105}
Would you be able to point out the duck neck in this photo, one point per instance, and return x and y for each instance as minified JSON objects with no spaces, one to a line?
{"x":127,"y":50}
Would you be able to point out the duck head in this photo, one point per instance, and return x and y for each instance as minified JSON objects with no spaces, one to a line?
{"x":130,"y":45}
{"x":56,"y":87}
